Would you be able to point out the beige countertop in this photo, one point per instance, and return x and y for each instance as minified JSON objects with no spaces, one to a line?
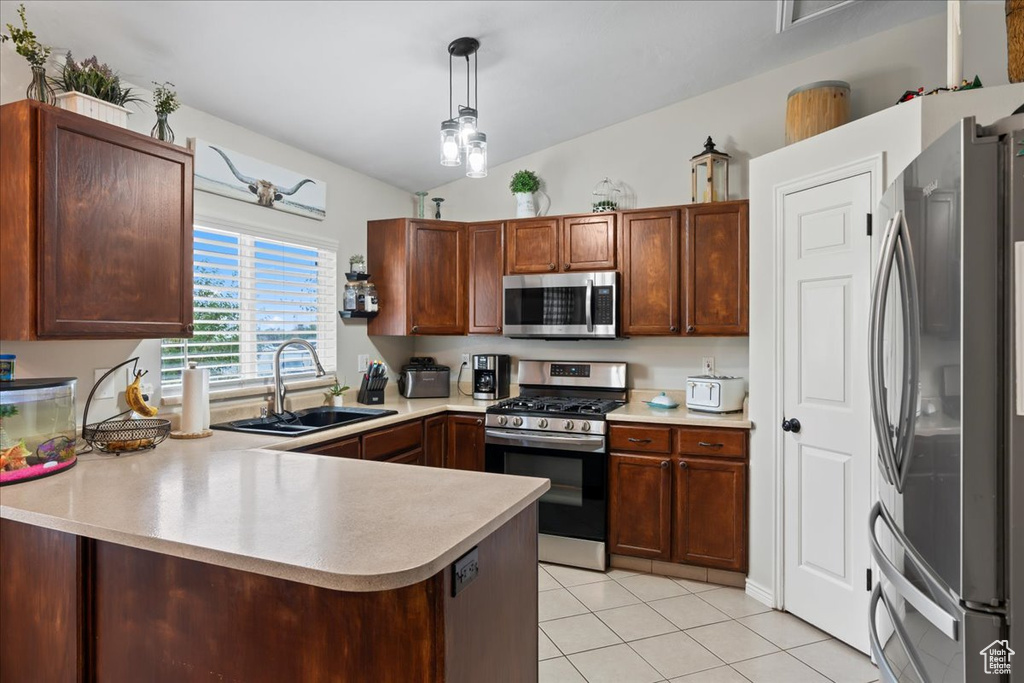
{"x":237,"y":500}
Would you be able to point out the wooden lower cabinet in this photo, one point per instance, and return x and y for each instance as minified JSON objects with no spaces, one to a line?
{"x":413,"y":457}
{"x":640,"y":506}
{"x":465,"y":443}
{"x":435,"y":440}
{"x":710,"y":513}
{"x":342,"y":448}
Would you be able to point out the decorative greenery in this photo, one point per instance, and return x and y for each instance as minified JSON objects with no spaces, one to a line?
{"x":524,"y":181}
{"x":165,"y":100}
{"x":25,"y":42}
{"x":335,"y":390}
{"x":357,"y":258}
{"x":605,"y":205}
{"x":8,"y":411}
{"x":94,"y":79}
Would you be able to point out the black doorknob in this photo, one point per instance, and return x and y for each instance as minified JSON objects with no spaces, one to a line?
{"x":791,"y":425}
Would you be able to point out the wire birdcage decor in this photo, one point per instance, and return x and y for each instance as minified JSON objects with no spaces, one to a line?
{"x":607,"y":196}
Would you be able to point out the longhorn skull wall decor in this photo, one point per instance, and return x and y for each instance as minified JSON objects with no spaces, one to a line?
{"x":235,"y":175}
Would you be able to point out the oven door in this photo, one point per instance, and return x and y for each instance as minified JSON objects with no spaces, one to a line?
{"x":577,"y":466}
{"x":564,"y":305}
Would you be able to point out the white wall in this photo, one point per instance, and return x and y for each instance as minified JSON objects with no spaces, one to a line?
{"x":352,"y":199}
{"x":650,"y":153}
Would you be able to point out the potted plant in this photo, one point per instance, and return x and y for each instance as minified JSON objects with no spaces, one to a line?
{"x":334,"y":396}
{"x":523,"y":185}
{"x":94,"y":90}
{"x":35,"y":53}
{"x":165,"y":102}
{"x":357,"y":264}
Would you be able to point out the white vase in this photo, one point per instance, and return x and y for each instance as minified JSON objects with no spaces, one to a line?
{"x":526,"y":207}
{"x":337,"y":401}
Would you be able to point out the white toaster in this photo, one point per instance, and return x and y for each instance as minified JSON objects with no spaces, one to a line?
{"x":712,"y":394}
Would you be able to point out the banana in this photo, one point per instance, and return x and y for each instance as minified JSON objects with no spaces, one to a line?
{"x":133,"y":396}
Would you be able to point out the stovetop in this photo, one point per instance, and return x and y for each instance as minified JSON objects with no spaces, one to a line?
{"x":558,"y":406}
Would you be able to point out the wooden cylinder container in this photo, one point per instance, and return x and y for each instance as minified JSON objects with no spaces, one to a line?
{"x":815,"y":108}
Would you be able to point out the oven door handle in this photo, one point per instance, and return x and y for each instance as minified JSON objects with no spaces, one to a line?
{"x":573,"y":442}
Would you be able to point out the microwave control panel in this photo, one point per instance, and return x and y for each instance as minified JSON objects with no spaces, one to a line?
{"x":604,"y":306}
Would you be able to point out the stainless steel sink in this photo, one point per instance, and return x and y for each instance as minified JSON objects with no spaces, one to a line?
{"x":304,"y":421}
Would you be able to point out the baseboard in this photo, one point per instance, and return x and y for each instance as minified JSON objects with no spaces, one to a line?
{"x":761,"y":594}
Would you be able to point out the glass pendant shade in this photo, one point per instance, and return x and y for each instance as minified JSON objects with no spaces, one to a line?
{"x":451,"y":149}
{"x":476,"y":156}
{"x":467,"y":123}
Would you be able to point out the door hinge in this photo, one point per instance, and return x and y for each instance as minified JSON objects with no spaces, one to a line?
{"x":869,"y":586}
{"x":869,"y":225}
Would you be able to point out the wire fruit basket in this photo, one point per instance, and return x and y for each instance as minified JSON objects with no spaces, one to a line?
{"x":120,"y":433}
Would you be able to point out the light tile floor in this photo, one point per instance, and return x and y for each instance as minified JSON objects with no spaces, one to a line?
{"x":628,"y":627}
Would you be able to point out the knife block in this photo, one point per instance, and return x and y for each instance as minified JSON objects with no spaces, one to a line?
{"x":374,"y":396}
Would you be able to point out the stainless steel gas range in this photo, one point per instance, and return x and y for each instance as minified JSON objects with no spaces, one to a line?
{"x":556,"y":429}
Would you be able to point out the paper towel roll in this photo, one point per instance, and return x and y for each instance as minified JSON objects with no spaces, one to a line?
{"x":195,"y":399}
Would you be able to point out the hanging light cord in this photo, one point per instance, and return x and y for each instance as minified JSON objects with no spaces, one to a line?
{"x":450,"y":86}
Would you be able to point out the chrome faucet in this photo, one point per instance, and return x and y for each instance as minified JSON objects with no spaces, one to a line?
{"x":279,"y":389}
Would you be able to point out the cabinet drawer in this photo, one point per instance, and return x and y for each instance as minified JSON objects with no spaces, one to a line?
{"x":344,"y":448}
{"x":415,"y":457}
{"x":382,"y":444}
{"x":726,"y":443}
{"x":640,"y":439}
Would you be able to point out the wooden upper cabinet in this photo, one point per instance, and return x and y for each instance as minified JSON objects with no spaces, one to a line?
{"x":710,"y":513}
{"x":716,"y":279}
{"x":588,"y":242}
{"x":640,"y":506}
{"x":96,"y":225}
{"x":419,"y":267}
{"x":650,"y":272}
{"x":533,"y":246}
{"x":486,"y":265}
{"x":465,"y":443}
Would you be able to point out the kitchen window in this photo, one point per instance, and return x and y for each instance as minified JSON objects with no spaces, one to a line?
{"x":250,"y":293}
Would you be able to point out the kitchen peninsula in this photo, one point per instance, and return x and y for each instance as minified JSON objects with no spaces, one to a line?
{"x":234,"y":562}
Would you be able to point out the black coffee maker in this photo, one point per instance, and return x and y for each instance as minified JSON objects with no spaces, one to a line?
{"x":491,"y":376}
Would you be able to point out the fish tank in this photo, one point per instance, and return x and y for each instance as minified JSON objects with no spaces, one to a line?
{"x":37,"y":428}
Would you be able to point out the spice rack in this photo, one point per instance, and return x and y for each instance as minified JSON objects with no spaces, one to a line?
{"x":347,"y":314}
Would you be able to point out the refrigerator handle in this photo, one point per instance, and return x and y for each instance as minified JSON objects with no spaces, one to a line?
{"x":884,"y":668}
{"x":903,"y":452}
{"x":929,"y":608}
{"x":880,"y":418}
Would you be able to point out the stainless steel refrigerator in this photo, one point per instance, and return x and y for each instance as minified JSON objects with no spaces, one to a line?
{"x":945,"y":375}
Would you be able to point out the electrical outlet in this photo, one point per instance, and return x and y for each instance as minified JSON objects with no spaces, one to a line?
{"x":106,"y":390}
{"x":363,"y":363}
{"x":147,"y":390}
{"x":465,"y":359}
{"x":709,"y":365}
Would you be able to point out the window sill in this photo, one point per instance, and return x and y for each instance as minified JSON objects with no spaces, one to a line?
{"x":265,"y":391}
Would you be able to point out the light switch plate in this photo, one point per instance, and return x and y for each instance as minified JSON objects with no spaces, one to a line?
{"x":106,"y":390}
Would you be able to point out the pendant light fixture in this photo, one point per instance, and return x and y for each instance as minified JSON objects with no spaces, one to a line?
{"x":460,"y":134}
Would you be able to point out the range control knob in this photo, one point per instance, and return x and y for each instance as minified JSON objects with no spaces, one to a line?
{"x":568,"y":424}
{"x":542,"y":423}
{"x":502,"y":420}
{"x":517,"y":422}
{"x":585,"y":426}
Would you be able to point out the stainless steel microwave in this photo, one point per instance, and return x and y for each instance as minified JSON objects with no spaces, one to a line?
{"x":562,"y":306}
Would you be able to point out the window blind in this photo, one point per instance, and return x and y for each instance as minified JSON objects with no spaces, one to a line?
{"x":250,"y":294}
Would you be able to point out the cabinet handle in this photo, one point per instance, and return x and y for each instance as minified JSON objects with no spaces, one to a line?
{"x":479,"y":421}
{"x":664,"y":464}
{"x":190,"y":327}
{"x":497,"y":329}
{"x":673,"y":329}
{"x":690,"y":329}
{"x":568,"y":266}
{"x":708,"y":444}
{"x":635,"y":440}
{"x":682,"y":464}
{"x":551,"y":266}
{"x":415,"y":328}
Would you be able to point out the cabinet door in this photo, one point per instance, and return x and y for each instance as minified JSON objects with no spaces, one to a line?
{"x":710,"y":513}
{"x":465,"y":443}
{"x":437,"y":278}
{"x":640,"y":506}
{"x":650,"y":273}
{"x":345,"y":448}
{"x":588,"y":242}
{"x":533,"y":246}
{"x":115,"y":232}
{"x":486,"y":265}
{"x":435,"y":440}
{"x":716,"y":269}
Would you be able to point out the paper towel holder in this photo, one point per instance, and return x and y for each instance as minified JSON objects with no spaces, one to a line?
{"x":178,"y":433}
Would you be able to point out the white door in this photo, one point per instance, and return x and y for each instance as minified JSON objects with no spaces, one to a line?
{"x":827,"y":286}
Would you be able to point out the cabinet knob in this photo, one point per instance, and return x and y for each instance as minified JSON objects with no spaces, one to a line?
{"x":690,"y":329}
{"x":551,"y":266}
{"x":682,"y":464}
{"x":568,"y":266}
{"x":479,"y":421}
{"x":497,"y":329}
{"x":415,"y":328}
{"x":673,"y":329}
{"x":190,"y":327}
{"x":664,"y":464}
